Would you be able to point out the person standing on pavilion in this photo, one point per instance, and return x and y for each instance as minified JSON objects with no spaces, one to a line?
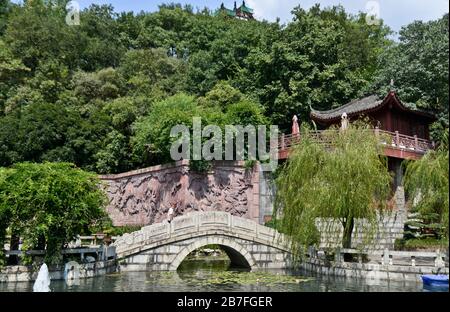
{"x":344,"y":122}
{"x":295,"y":128}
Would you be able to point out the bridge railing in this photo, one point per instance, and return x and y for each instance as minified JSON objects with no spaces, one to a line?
{"x":102,"y":253}
{"x":197,"y":224}
{"x":94,"y":240}
{"x":88,"y":241}
{"x":391,"y":139}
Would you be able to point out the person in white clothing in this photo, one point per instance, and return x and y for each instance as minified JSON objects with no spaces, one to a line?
{"x":344,"y":122}
{"x":170,"y":214}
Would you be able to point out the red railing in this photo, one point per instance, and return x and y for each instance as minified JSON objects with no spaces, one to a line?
{"x":405,"y":142}
{"x":390,"y":139}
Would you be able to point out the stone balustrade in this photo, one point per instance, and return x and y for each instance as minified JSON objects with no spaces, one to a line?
{"x":246,"y":242}
{"x":386,"y":264}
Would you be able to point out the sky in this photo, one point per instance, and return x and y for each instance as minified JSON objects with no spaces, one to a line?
{"x":395,"y":13}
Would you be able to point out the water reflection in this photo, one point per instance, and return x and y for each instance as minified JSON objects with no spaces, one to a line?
{"x":216,"y":275}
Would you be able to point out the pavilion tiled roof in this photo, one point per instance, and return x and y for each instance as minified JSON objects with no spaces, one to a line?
{"x":235,"y":12}
{"x":364,"y":105}
{"x":355,"y":106}
{"x":228,"y":12}
{"x":246,"y":9}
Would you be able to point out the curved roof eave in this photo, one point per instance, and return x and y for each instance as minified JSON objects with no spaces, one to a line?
{"x":365,"y":105}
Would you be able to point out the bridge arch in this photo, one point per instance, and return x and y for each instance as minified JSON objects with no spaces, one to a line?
{"x":239,"y":256}
{"x":163,"y":246}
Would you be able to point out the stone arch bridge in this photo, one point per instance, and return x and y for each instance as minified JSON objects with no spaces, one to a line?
{"x":163,"y":246}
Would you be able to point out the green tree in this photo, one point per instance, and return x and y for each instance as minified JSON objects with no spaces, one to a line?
{"x":12,"y":71}
{"x":103,"y":44}
{"x":341,"y":182}
{"x":33,"y":133}
{"x":151,"y":142}
{"x":114,"y":156}
{"x":222,"y":95}
{"x":104,"y":84}
{"x":102,"y":75}
{"x":426,"y":181}
{"x":5,"y":7}
{"x":321,"y":59}
{"x":151,"y":72}
{"x":245,"y":113}
{"x":418,"y":64}
{"x":88,"y":134}
{"x":5,"y":216}
{"x":36,"y":32}
{"x":50,"y":204}
{"x":50,"y":79}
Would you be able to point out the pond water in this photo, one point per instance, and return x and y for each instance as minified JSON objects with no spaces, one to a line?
{"x":216,"y":275}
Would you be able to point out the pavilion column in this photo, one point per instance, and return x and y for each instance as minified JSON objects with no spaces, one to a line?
{"x":398,"y":173}
{"x":389,"y":122}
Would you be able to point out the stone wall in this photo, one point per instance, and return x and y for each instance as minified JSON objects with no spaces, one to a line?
{"x":371,"y":270}
{"x":267,"y":193}
{"x":144,"y":196}
{"x":390,"y":228}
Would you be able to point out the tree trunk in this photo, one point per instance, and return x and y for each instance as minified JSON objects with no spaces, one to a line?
{"x":347,"y":238}
{"x":41,"y":243}
{"x":14,"y":245}
{"x":348,"y":230}
{"x":2,"y":244}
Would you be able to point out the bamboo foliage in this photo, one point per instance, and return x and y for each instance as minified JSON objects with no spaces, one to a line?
{"x":342,"y":181}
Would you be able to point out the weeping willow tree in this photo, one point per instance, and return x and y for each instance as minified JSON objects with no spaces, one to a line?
{"x":5,"y":216}
{"x":426,"y":181}
{"x":340,"y":177}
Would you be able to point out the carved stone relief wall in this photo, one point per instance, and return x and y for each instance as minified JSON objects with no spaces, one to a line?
{"x":144,"y":196}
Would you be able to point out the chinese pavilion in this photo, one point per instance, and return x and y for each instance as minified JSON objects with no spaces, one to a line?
{"x":388,"y":114}
{"x":407,"y":128}
{"x":403,"y":131}
{"x":242,"y":12}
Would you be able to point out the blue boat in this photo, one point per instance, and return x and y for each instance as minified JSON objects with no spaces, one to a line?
{"x":435,"y":280}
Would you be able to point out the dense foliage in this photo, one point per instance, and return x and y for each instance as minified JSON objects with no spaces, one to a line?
{"x":419,"y":64}
{"x":340,"y":180}
{"x":48,"y":205}
{"x":81,"y":93}
{"x":104,"y":95}
{"x":426,"y":180}
{"x":152,"y":141}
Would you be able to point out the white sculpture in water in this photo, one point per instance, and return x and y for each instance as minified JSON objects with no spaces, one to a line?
{"x":72,"y":273}
{"x":42,"y":283}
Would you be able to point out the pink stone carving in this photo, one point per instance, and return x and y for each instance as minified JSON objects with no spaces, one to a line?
{"x":144,"y":196}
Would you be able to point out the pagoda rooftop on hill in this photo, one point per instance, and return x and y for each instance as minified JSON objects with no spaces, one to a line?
{"x":242,"y":12}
